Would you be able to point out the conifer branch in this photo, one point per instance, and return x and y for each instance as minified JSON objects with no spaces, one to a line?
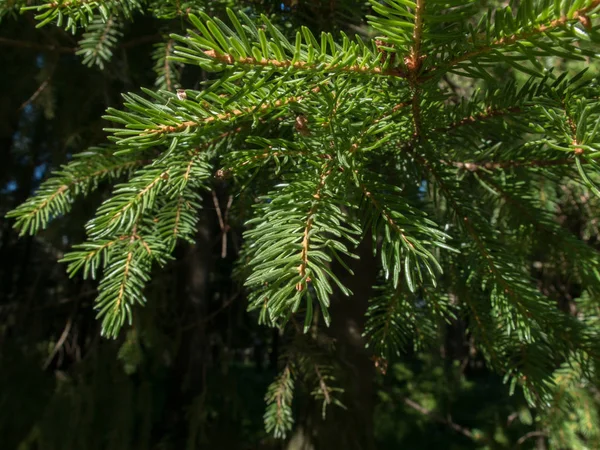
{"x":56,"y":194}
{"x":414,"y":63}
{"x":226,"y":116}
{"x":490,"y":113}
{"x":469,"y":227}
{"x":309,"y":224}
{"x":498,"y":165}
{"x":166,"y":70}
{"x":580,"y":15}
{"x":125,"y":279}
{"x":575,"y":249}
{"x":359,"y":142}
{"x":100,"y":38}
{"x":454,"y":426}
{"x":166,"y":67}
{"x":228,"y":59}
{"x":323,"y":385}
{"x":278,"y":416}
{"x":73,"y":13}
{"x":119,"y":213}
{"x":383,"y":211}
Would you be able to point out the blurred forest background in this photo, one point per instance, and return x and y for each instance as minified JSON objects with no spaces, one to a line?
{"x":193,"y":370}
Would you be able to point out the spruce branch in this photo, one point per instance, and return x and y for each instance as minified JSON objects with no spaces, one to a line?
{"x":477,"y":119}
{"x":227,"y":116}
{"x":542,"y":20}
{"x":307,"y":229}
{"x":290,"y":250}
{"x":176,"y":121}
{"x":475,"y":166}
{"x":398,"y":318}
{"x":278,"y":416}
{"x":514,"y":301}
{"x":80,"y":177}
{"x":97,"y":43}
{"x":404,"y":231}
{"x":74,"y":13}
{"x":327,"y":136}
{"x":167,"y":71}
{"x":517,"y":294}
{"x":575,"y":250}
{"x":132,"y":200}
{"x":216,"y":46}
{"x":299,"y":66}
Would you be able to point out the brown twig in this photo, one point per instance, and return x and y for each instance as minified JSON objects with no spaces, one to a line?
{"x":456,"y":427}
{"x":323,"y":385}
{"x":223,"y":221}
{"x":494,"y":165}
{"x":531,"y":434}
{"x":40,"y":89}
{"x":35,"y":46}
{"x":59,"y":343}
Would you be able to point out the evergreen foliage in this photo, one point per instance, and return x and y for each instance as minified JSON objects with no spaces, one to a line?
{"x":330,"y":142}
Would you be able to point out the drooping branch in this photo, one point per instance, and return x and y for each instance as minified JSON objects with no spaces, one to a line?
{"x":327,"y":169}
{"x":386,"y":215}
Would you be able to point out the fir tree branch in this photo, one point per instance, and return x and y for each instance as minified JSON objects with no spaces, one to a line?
{"x":74,"y":13}
{"x":166,"y":66}
{"x":124,"y":281}
{"x":167,"y":75}
{"x":497,"y":274}
{"x":579,"y":15}
{"x":120,"y":212}
{"x":577,"y":249}
{"x":278,"y":416}
{"x":530,"y":435}
{"x":55,"y":195}
{"x":309,"y":224}
{"x":323,"y":385}
{"x":414,"y":62}
{"x":385,"y":213}
{"x":39,"y":90}
{"x":249,"y":61}
{"x":481,"y":117}
{"x":414,"y":65}
{"x":498,"y":165}
{"x":236,"y":113}
{"x":389,"y":114}
{"x":469,"y":227}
